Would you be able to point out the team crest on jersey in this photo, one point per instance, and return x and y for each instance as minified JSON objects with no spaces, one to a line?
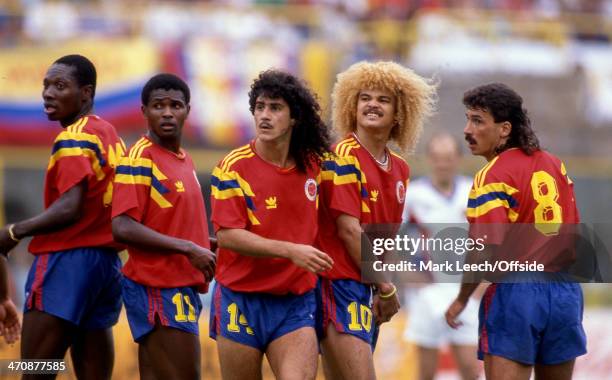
{"x":400,"y":191}
{"x":310,"y":188}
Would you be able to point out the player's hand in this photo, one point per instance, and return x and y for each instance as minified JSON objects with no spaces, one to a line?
{"x":310,"y":258}
{"x":385,"y":308}
{"x":452,"y":313}
{"x":6,"y":243}
{"x":203,"y":260}
{"x":10,"y":327}
{"x":213,"y":244}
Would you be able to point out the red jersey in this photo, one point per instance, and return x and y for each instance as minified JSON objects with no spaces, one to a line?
{"x":533,"y":192}
{"x":377,"y":199}
{"x":159,"y":189}
{"x":280,"y":204}
{"x":87,"y":150}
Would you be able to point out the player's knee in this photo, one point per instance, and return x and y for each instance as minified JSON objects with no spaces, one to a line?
{"x":306,"y":372}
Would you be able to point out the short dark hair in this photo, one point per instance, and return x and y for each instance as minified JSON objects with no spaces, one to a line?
{"x":164,"y":81}
{"x":504,"y":104}
{"x":310,"y":138}
{"x":84,"y":70}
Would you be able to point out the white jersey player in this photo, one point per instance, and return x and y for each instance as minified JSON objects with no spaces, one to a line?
{"x":431,"y":201}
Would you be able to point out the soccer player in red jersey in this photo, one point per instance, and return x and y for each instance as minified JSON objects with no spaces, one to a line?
{"x":158,"y":212}
{"x":536,"y":322}
{"x":374,"y":104}
{"x":264,"y":210}
{"x":73,"y":293}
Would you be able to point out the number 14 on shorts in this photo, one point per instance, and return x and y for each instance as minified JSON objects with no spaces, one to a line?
{"x":236,"y":321}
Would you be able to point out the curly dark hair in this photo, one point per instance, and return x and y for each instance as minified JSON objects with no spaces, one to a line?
{"x":310,"y":139}
{"x":504,"y":104}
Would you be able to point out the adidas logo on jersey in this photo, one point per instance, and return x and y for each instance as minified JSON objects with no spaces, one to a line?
{"x":271,"y":202}
{"x":374,"y":195}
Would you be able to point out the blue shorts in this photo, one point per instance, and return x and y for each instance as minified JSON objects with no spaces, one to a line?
{"x":347,"y":305}
{"x":179,"y":308}
{"x":257,"y":319}
{"x":532,"y":323}
{"x":80,"y":285}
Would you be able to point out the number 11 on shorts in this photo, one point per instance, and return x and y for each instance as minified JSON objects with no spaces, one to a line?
{"x":180,"y":316}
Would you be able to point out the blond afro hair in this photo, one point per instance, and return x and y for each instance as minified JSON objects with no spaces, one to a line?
{"x":416,"y":98}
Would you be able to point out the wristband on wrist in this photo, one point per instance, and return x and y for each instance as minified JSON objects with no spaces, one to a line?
{"x":12,"y":233}
{"x":390,"y":294}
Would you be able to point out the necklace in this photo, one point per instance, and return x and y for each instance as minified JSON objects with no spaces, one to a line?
{"x":383,"y":162}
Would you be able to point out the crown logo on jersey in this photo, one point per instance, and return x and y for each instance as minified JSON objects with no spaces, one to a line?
{"x":374,"y":195}
{"x":271,"y":202}
{"x":180,"y":188}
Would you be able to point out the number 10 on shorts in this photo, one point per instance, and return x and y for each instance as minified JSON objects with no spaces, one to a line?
{"x":361,"y":317}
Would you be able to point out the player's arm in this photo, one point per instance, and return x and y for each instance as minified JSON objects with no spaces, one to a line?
{"x":4,"y":286}
{"x":470,"y":282}
{"x":349,"y":231}
{"x":66,"y":210}
{"x":213,"y":243}
{"x":386,"y":303}
{"x":128,"y":231}
{"x":345,"y":193}
{"x":10,"y":326}
{"x":249,"y":244}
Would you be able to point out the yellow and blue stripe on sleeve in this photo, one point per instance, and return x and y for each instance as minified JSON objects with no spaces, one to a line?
{"x":492,"y":196}
{"x":229,"y":184}
{"x":143,"y":171}
{"x":345,"y":171}
{"x":71,"y":143}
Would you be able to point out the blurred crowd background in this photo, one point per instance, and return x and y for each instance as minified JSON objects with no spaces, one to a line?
{"x":556,"y":53}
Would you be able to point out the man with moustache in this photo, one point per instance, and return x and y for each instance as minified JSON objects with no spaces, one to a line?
{"x":531,"y":321}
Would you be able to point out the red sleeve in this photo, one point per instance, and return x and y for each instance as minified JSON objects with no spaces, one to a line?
{"x":131,"y":189}
{"x":342,"y":186}
{"x":75,"y":156}
{"x":492,"y":205}
{"x":231,"y":200}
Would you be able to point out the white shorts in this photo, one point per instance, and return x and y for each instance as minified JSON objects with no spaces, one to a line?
{"x":427,"y":326}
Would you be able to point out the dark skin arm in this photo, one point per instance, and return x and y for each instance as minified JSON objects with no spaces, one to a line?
{"x":349,"y":231}
{"x":66,"y":210}
{"x":9,"y":318}
{"x":213,"y":244}
{"x":128,"y":231}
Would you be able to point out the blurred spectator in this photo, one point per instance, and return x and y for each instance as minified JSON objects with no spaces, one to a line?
{"x":10,"y":26}
{"x":49,"y":21}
